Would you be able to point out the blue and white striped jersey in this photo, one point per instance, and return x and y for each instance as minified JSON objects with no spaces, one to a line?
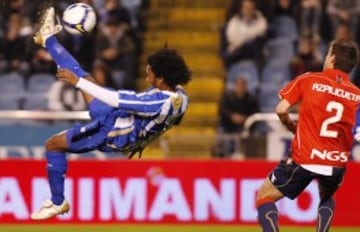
{"x":356,"y":129}
{"x":142,"y":117}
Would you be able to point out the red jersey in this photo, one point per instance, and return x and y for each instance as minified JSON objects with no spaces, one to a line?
{"x":329,"y":102}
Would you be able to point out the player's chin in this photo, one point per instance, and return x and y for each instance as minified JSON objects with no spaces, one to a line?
{"x":148,"y":81}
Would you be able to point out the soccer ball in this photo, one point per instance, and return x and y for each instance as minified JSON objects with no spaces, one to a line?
{"x":79,"y":18}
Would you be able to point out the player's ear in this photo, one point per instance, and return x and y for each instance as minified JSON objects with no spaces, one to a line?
{"x":332,"y":59}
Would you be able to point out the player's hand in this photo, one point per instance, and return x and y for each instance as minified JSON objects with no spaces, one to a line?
{"x":67,"y":76}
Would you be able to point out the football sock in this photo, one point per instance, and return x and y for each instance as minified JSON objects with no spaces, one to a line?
{"x":63,"y":58}
{"x":56,"y":168}
{"x":325,"y":214}
{"x":268,"y":217}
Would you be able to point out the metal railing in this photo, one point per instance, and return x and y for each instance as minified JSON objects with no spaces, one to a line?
{"x":262,"y":117}
{"x":84,"y":115}
{"x":44,"y":115}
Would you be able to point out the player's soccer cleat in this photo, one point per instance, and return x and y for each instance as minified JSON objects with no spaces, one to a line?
{"x":48,"y":27}
{"x":49,"y":210}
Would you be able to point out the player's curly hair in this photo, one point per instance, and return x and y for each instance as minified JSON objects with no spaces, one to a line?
{"x":168,"y":64}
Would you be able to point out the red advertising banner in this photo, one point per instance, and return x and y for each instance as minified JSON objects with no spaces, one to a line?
{"x":177,"y":191}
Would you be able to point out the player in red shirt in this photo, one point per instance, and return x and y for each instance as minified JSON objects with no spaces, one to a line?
{"x":323,"y":137}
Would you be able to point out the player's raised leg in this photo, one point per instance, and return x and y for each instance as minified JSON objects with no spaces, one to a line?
{"x":45,"y":37}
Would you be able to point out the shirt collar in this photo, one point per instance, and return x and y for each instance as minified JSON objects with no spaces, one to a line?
{"x":336,"y":74}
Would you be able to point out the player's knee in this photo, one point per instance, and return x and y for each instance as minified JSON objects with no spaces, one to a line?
{"x":50,"y":143}
{"x":267,"y":194}
{"x":327,"y":201}
{"x":263,"y":197}
{"x":55,"y":143}
{"x":325,"y":193}
{"x":262,"y":201}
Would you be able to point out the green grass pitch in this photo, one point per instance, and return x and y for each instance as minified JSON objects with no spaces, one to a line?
{"x":154,"y":228}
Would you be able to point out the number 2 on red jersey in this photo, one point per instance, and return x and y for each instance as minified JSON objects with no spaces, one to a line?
{"x":338,"y":108}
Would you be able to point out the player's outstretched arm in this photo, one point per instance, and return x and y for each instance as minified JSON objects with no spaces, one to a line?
{"x":107,"y":96}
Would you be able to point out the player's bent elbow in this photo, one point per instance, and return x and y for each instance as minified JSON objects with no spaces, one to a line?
{"x":282,"y":107}
{"x":279,"y":110}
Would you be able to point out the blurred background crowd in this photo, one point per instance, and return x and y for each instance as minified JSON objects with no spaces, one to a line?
{"x":265,"y":44}
{"x":261,"y":45}
{"x":109,"y":52}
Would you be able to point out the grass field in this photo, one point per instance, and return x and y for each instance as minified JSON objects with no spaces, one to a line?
{"x":153,"y":228}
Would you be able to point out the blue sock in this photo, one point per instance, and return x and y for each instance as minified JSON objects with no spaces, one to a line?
{"x":56,"y":167}
{"x":268,"y":217}
{"x":325,"y":214}
{"x":62,"y":57}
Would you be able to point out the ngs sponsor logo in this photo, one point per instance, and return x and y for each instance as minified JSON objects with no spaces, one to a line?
{"x":341,"y":156}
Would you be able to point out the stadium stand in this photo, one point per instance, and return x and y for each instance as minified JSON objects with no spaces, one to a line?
{"x":40,"y":82}
{"x":284,"y":27}
{"x":12,"y":91}
{"x":276,"y":72}
{"x":281,"y":49}
{"x":192,"y":28}
{"x":37,"y":89}
{"x":209,"y":90}
{"x":268,"y":97}
{"x":246,"y":69}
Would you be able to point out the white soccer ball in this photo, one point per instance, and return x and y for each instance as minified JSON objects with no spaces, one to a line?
{"x":79,"y":18}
